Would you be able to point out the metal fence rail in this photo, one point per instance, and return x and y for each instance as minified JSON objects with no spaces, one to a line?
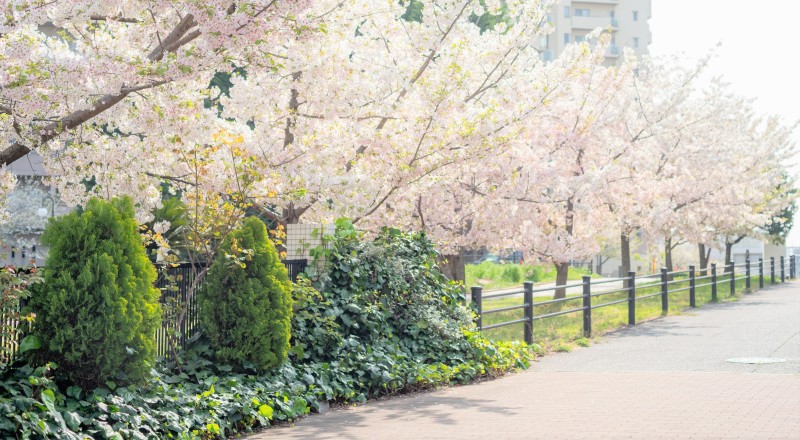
{"x":664,"y":280}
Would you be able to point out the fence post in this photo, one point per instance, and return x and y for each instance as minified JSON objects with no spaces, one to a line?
{"x":477,"y":293}
{"x":791,"y":267}
{"x":733,"y":279}
{"x":714,"y":282}
{"x":783,"y":272}
{"x":692,"y":301}
{"x":528,"y":289}
{"x":772,"y":270}
{"x":760,"y":273}
{"x":664,"y":292}
{"x":632,"y":299}
{"x":587,"y":306}
{"x":747,"y":274}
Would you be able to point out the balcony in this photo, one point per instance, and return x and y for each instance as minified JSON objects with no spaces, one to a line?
{"x":591,"y":23}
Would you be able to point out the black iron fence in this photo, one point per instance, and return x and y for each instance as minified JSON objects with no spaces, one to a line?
{"x":175,"y":282}
{"x":295,"y":267}
{"x":661,"y":285}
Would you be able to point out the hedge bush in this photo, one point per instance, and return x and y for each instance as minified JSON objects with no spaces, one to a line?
{"x":97,"y":310}
{"x":389,"y":291}
{"x":245,"y":303}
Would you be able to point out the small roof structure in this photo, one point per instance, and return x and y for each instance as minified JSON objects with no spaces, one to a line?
{"x":29,"y":165}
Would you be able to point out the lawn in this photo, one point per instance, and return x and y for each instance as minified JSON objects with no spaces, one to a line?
{"x":560,"y":333}
{"x":493,"y":276}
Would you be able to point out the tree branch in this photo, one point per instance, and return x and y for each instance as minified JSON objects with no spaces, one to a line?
{"x":118,"y":18}
{"x":413,"y":80}
{"x":176,"y":39}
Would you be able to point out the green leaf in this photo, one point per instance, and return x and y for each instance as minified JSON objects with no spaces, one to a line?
{"x":30,"y":342}
{"x":266,"y":411}
{"x":74,"y":392}
{"x":299,"y":406}
{"x":49,"y":400}
{"x":209,"y":392}
{"x":212,"y":428}
{"x":73,"y":420}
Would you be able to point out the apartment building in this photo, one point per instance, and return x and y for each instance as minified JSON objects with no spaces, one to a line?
{"x":572,"y":20}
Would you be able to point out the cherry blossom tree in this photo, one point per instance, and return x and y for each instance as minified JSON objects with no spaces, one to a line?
{"x":716,"y":171}
{"x":541,"y":193}
{"x":431,"y":115}
{"x":651,"y":121}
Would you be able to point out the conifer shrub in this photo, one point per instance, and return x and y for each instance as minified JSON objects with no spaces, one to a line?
{"x":97,"y":310}
{"x":245,"y":303}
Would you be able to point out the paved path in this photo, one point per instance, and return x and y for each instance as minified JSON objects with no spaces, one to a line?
{"x":666,"y":379}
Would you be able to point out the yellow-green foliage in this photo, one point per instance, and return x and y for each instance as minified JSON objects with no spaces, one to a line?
{"x":245,"y":303}
{"x":97,"y":310}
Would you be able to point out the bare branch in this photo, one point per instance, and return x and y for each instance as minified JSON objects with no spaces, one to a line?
{"x":179,"y":31}
{"x":118,"y":18}
{"x":144,"y":86}
{"x":171,"y":178}
{"x":261,"y":11}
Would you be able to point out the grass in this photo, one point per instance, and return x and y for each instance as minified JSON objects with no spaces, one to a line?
{"x":493,"y":276}
{"x":556,"y":333}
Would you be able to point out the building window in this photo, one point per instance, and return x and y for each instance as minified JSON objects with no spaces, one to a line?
{"x":544,"y":42}
{"x":580,"y":38}
{"x":566,"y":11}
{"x":581,"y":12}
{"x":636,"y":42}
{"x":635,"y":15}
{"x":612,"y":14}
{"x":566,"y":38}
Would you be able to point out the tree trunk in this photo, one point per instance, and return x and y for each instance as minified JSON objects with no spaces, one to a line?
{"x":600,"y":262}
{"x":625,"y":250}
{"x":704,"y":256}
{"x":728,"y":255}
{"x":453,"y":267}
{"x":668,"y":255}
{"x":292,"y":214}
{"x":729,"y":250}
{"x":562,"y":270}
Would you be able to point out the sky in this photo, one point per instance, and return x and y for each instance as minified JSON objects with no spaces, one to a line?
{"x":758,"y":55}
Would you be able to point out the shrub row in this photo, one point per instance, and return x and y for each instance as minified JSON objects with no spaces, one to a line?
{"x":380,"y":319}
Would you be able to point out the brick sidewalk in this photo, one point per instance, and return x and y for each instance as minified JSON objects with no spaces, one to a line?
{"x":577,"y":405}
{"x":667,"y":379}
